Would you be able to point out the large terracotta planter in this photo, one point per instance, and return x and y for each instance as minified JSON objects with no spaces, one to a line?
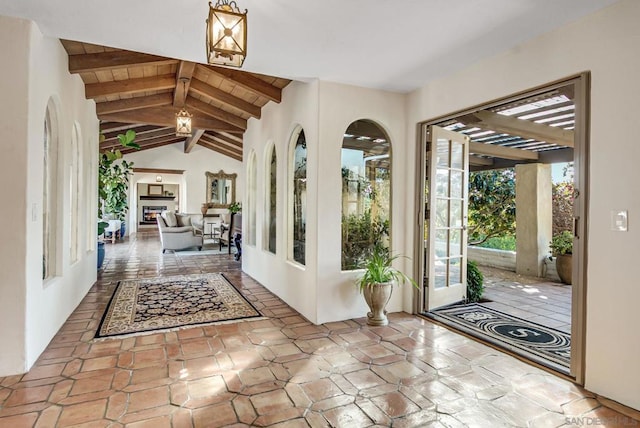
{"x":563,"y":266}
{"x":377,"y":296}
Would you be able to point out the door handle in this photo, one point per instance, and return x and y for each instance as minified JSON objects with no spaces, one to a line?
{"x":575,"y":227}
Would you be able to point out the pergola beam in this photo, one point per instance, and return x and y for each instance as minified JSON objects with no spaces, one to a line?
{"x":478,"y":161}
{"x":524,"y":128}
{"x":245,"y":80}
{"x":226,"y":98}
{"x":87,"y":63}
{"x":501,"y":151}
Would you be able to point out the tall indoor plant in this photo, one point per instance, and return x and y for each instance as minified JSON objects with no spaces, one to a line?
{"x":113,"y":180}
{"x":377,"y":281}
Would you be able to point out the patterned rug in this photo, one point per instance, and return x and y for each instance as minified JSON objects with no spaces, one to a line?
{"x":147,"y":305}
{"x":542,"y":344}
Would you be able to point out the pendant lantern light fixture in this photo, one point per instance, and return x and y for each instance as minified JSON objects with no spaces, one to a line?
{"x":183,"y":118}
{"x":226,"y":34}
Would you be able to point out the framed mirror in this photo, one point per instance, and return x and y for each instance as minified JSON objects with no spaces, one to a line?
{"x":221,"y":189}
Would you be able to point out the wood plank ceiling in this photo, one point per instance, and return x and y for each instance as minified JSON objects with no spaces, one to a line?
{"x":144,"y":92}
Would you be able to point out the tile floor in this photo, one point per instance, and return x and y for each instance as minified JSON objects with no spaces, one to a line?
{"x":533,"y":299}
{"x":280,"y":371}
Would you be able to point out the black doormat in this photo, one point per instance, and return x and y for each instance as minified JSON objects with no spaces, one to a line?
{"x":541,"y":344}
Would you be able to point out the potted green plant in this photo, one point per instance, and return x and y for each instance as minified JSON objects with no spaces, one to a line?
{"x":235,"y":207}
{"x":562,"y":249}
{"x":377,"y":281}
{"x":113,"y":180}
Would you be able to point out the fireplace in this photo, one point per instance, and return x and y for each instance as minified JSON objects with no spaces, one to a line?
{"x":149,"y":214}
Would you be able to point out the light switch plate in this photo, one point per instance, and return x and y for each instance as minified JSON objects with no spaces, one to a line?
{"x":619,"y":220}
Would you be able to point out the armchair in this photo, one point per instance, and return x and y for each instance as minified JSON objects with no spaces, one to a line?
{"x":177,"y":232}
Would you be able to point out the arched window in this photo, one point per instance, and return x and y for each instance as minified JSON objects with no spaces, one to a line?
{"x":366,"y":192}
{"x":74,"y":189}
{"x":251,"y":199}
{"x":49,"y":190}
{"x":271,"y":194}
{"x":298,"y":197}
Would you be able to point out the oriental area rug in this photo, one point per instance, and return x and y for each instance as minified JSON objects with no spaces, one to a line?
{"x":542,"y":344}
{"x":148,"y":305}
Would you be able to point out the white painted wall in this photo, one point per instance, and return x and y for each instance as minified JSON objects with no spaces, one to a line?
{"x":606,"y":43}
{"x":295,"y":284}
{"x":32,"y":311}
{"x":338,"y":297}
{"x":193,"y":182}
{"x":320,"y":290}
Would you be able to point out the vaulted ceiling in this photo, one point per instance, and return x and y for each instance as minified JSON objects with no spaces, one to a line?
{"x":144,"y":92}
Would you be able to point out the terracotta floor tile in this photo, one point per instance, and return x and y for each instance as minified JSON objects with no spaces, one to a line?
{"x":256,"y":376}
{"x":214,"y":416}
{"x":364,"y":379}
{"x":28,"y":395}
{"x":321,"y":389}
{"x":348,"y":416}
{"x":206,"y":387}
{"x":46,"y":371}
{"x":148,"y":398}
{"x":270,"y":402}
{"x":279,"y":371}
{"x":80,"y":413}
{"x":26,"y":420}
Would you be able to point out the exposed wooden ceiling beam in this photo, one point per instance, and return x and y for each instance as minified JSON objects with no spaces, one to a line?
{"x":220,"y":143}
{"x":133,"y":103}
{"x":193,"y":140}
{"x":476,"y":160}
{"x":116,"y":59}
{"x":158,"y":171}
{"x":139,"y":128}
{"x":226,"y":98}
{"x":131,"y":86}
{"x":166,"y":116}
{"x":153,"y":146}
{"x":215,"y":112}
{"x":221,"y":150}
{"x":524,"y":128}
{"x":501,"y":152}
{"x":140,"y":137}
{"x":224,"y":138}
{"x":115,"y":127}
{"x":155,"y":140}
{"x":183,"y":81}
{"x":246,"y":81}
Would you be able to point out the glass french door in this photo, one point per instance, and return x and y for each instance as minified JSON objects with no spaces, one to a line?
{"x":447,"y":173}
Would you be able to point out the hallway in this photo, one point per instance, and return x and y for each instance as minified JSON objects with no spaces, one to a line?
{"x":279,"y":371}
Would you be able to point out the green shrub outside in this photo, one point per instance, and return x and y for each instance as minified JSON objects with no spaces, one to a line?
{"x":475,"y":282}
